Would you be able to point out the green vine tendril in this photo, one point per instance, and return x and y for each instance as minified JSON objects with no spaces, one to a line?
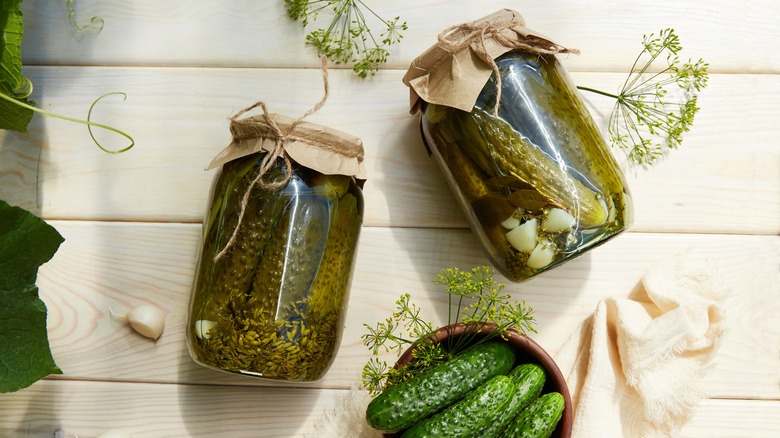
{"x":24,"y":90}
{"x":95,"y":22}
{"x":90,"y":124}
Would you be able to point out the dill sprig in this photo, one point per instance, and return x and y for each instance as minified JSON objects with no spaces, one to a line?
{"x":474,"y":298}
{"x":348,"y":38}
{"x":654,"y":108}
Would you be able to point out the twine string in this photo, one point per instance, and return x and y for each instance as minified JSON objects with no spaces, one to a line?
{"x":473,"y":35}
{"x":271,"y":129}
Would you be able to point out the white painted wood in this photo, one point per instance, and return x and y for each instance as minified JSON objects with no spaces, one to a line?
{"x":125,"y":265}
{"x":732,"y":37}
{"x":724,"y":178}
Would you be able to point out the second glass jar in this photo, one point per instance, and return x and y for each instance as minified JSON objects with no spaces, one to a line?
{"x":537,"y":181}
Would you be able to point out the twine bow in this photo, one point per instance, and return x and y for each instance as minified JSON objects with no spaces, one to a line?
{"x":473,"y":35}
{"x":268,"y":128}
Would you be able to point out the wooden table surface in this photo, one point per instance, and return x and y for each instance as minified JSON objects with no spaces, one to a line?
{"x":132,"y":221}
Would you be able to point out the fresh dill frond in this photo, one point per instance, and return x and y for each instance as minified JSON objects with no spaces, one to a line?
{"x":654,"y":108}
{"x":374,"y":374}
{"x":382,"y":335}
{"x":480,"y":299}
{"x":348,"y":38}
{"x":409,"y":313}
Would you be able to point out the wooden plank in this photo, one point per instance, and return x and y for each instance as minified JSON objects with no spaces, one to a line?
{"x":122,"y":265}
{"x":191,"y":33}
{"x":725,"y":177}
{"x":156,"y":410}
{"x":734,"y":418}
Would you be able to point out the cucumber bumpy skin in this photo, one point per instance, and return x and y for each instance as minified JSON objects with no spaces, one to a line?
{"x":529,"y":379}
{"x":539,"y":419}
{"x":467,"y":417}
{"x":405,"y":404}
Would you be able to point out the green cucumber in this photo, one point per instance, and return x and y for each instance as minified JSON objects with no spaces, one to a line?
{"x":406,"y":403}
{"x":467,"y":417}
{"x":539,"y":419}
{"x":529,"y":379}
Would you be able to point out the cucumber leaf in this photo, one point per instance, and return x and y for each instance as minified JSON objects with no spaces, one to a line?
{"x":11,"y":56}
{"x":12,"y":116}
{"x":26,"y":242}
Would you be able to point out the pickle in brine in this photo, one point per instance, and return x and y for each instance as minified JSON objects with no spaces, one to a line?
{"x":233,"y":273}
{"x":280,"y":321}
{"x":515,"y":156}
{"x":294,"y":251}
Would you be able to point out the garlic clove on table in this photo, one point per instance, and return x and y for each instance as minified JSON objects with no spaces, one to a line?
{"x":147,"y":320}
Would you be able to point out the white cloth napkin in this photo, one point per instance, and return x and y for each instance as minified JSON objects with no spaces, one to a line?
{"x":633,"y":366}
{"x":347,"y":419}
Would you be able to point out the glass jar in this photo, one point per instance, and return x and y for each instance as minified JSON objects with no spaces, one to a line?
{"x":273,"y":305}
{"x":537,"y":182}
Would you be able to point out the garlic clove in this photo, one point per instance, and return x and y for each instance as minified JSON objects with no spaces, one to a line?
{"x":523,"y":238}
{"x":511,"y":223}
{"x":515,"y":220}
{"x":202,"y":328}
{"x":147,"y":320}
{"x":558,"y":220}
{"x":541,"y":256}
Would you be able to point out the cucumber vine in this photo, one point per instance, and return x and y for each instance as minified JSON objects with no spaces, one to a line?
{"x":654,"y":108}
{"x":474,"y":298}
{"x":18,"y":101}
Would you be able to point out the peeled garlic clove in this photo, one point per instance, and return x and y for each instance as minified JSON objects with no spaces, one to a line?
{"x":523,"y":238}
{"x":558,"y":220}
{"x":514,"y":221}
{"x":202,"y":328}
{"x":511,"y":223}
{"x":146,"y":320}
{"x":541,"y":256}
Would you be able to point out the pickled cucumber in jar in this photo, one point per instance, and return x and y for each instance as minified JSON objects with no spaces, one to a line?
{"x":536,"y":180}
{"x":273,"y":305}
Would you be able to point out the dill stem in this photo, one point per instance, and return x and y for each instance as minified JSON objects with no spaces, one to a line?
{"x":603,"y":93}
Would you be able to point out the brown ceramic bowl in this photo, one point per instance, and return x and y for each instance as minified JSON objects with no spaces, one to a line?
{"x":526,"y":350}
